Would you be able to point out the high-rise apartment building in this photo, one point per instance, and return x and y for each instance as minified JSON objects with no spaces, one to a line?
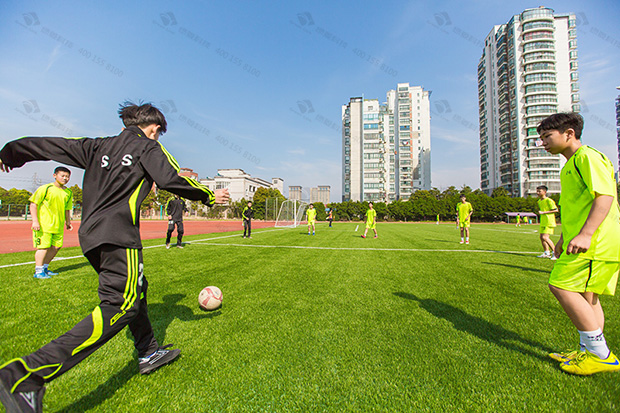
{"x":618,"y":130}
{"x":528,"y":71}
{"x":386,"y":147}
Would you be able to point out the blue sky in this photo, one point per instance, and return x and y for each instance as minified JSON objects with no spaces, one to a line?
{"x":260,"y":87}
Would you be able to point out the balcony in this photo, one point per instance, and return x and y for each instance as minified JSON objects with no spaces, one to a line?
{"x":539,"y":14}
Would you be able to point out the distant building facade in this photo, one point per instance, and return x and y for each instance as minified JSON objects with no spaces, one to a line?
{"x":294,"y":193}
{"x":386,"y":148}
{"x":240,"y":184}
{"x":320,"y":194}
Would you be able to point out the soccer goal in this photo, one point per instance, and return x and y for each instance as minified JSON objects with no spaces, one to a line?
{"x":291,"y":214}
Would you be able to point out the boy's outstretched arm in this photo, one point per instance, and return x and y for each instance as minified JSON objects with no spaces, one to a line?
{"x":164,"y":170}
{"x":598,"y":212}
{"x":70,"y":151}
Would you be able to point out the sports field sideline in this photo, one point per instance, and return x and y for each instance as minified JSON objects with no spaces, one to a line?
{"x":410,"y":321}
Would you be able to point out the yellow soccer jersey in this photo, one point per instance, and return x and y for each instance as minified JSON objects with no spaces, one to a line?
{"x":586,"y":173}
{"x":371,"y":214}
{"x":544,"y":205}
{"x":52,"y":202}
{"x":311,"y":214}
{"x":463,"y":210}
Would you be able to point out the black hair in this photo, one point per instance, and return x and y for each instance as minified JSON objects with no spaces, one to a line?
{"x":62,"y":169}
{"x":561,"y":122}
{"x":142,"y":115}
{"x":543,"y":187}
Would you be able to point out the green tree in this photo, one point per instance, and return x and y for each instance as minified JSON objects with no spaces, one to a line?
{"x":77,"y":194}
{"x":258,"y":202}
{"x":149,"y":202}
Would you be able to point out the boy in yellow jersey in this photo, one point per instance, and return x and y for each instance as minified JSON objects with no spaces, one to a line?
{"x":371,"y":220}
{"x":50,"y":207}
{"x":464,"y":211}
{"x":589,"y":249}
{"x":311,"y":214}
{"x":547,"y":211}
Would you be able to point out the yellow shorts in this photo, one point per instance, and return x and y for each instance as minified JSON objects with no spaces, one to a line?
{"x":546,"y":230}
{"x":573,"y":273}
{"x":44,"y":240}
{"x":464,"y":224}
{"x":311,"y":222}
{"x":371,"y":225}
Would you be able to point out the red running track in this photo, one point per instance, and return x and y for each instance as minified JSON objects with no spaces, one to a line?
{"x":16,"y":236}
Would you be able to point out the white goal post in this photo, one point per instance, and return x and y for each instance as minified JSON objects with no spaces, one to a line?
{"x":291,"y":214}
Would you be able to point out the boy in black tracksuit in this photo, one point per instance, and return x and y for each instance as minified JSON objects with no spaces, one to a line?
{"x":248,"y":214}
{"x":174,"y":210}
{"x":119,"y":173}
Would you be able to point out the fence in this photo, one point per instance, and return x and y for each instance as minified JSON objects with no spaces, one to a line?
{"x":22,"y":212}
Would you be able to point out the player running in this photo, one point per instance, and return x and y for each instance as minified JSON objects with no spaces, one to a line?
{"x":371,"y":220}
{"x":547,"y":212}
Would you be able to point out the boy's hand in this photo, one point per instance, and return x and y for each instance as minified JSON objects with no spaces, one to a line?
{"x":581,"y":243}
{"x":559,"y":247}
{"x":35,"y":226}
{"x":221,"y":196}
{"x":68,"y":225}
{"x":3,"y":167}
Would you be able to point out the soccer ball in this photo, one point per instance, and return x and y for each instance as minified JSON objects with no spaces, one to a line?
{"x":210,"y":298}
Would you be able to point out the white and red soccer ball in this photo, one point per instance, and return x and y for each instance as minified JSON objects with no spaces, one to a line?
{"x":210,"y":298}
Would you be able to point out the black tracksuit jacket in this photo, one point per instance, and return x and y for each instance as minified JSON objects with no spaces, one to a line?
{"x":119,"y":174}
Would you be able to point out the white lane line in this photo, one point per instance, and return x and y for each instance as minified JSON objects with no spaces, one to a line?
{"x":152,"y":246}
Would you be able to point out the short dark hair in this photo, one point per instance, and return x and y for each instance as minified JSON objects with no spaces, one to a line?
{"x":561,"y":122}
{"x":543,"y":187}
{"x":142,"y":115}
{"x":62,"y":169}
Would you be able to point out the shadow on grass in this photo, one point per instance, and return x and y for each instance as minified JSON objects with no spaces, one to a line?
{"x":518,"y":267}
{"x":480,"y":328}
{"x":161,"y":316}
{"x":105,"y":390}
{"x":70,"y":267}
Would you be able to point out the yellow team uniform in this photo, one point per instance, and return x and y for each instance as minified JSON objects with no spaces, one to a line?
{"x":586,"y":173}
{"x":463,"y":209}
{"x":547,"y":221}
{"x":52,"y":202}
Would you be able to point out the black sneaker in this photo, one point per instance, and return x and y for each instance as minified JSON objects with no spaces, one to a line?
{"x":159,"y":358}
{"x":21,"y":402}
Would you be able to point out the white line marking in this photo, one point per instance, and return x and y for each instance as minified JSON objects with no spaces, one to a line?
{"x":363,"y":249}
{"x":152,"y":246}
{"x":356,"y":227}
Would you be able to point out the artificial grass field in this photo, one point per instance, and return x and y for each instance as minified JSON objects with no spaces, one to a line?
{"x":411,"y":321}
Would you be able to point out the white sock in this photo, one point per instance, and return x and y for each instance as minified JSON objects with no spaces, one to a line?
{"x":462,"y":239}
{"x":38,"y":269}
{"x":45,"y":266}
{"x":467,"y":239}
{"x":595,"y":342}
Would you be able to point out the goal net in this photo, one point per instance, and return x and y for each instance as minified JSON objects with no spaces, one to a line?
{"x":291,"y":214}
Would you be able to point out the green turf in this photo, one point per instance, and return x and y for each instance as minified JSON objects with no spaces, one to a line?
{"x":411,"y":321}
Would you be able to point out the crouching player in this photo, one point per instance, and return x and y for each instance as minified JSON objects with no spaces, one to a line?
{"x":589,"y":249}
